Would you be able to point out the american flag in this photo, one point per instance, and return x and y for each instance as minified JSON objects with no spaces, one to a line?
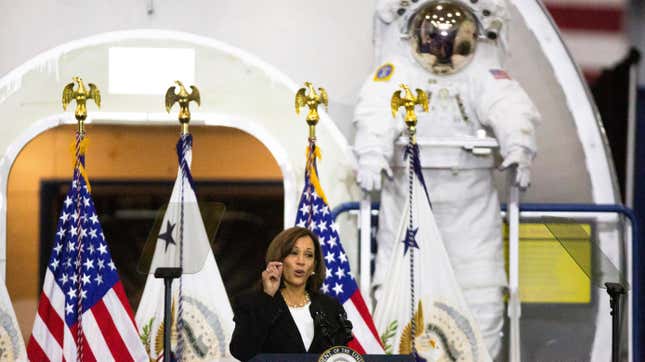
{"x":314,"y":214}
{"x":593,"y":30}
{"x":83,"y":312}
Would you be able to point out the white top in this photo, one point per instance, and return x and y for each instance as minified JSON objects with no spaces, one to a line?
{"x":304,"y":322}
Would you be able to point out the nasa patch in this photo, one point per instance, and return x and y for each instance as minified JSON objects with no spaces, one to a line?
{"x":384,"y":73}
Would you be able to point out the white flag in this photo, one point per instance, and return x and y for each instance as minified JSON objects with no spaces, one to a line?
{"x":12,"y":346}
{"x":207,"y":314}
{"x":444,"y":329}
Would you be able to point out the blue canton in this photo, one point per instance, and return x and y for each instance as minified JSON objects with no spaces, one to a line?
{"x":80,"y":260}
{"x":314,"y":214}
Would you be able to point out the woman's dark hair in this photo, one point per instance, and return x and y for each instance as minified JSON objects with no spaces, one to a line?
{"x":282,"y":245}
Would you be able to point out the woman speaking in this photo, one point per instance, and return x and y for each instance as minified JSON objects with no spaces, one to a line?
{"x":289,"y":314}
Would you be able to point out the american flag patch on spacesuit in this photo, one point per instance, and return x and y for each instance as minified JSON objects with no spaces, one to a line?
{"x":499,"y":74}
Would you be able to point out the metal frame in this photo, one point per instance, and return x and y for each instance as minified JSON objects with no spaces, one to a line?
{"x":570,"y":208}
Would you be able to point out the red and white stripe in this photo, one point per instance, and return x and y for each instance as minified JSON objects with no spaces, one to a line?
{"x":108,"y":327}
{"x":366,"y":339}
{"x":593,"y":30}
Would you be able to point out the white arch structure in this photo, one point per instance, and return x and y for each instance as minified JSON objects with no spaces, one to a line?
{"x":268,"y":117}
{"x":271,"y":120}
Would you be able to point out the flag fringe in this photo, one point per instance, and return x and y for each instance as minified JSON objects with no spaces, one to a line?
{"x":76,"y":162}
{"x":313,"y":153}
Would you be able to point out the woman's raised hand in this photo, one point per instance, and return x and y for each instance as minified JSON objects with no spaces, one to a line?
{"x":271,"y":277}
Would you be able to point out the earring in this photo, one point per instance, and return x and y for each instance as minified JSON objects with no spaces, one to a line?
{"x":313,"y":273}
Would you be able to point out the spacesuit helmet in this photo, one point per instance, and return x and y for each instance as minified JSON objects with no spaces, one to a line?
{"x":443,"y":36}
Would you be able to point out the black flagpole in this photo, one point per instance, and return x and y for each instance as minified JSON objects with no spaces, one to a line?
{"x":167,"y":274}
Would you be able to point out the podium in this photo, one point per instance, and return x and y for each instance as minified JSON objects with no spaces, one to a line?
{"x":313,"y":357}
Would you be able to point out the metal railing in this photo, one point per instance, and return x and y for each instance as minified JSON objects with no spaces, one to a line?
{"x":569,"y":208}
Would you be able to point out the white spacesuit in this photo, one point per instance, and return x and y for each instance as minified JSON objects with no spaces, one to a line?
{"x":449,"y":49}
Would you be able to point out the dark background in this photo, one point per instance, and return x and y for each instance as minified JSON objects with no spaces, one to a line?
{"x":127,"y":211}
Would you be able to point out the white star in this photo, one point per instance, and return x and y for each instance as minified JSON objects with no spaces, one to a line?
{"x":328,"y":274}
{"x":68,"y":201}
{"x":322,"y":226}
{"x":330,"y":257}
{"x":58,"y":247}
{"x":69,"y":309}
{"x":85,"y":279}
{"x":94,"y":219}
{"x":83,"y":294}
{"x":101,"y":266}
{"x":89,"y":263}
{"x":98,"y":279}
{"x":305,"y":209}
{"x":325,"y":210}
{"x":86,"y":201}
{"x":75,"y":216}
{"x":71,"y":246}
{"x":54,"y":264}
{"x":111,"y":265}
{"x":73,"y":230}
{"x":342,"y":257}
{"x":312,"y":226}
{"x":60,"y":233}
{"x":93,"y":233}
{"x":77,"y":263}
{"x":91,"y":249}
{"x":340,"y":273}
{"x":301,"y":223}
{"x":74,"y":278}
{"x":63,"y":279}
{"x":307,"y":194}
{"x":322,"y":241}
{"x":314,"y":194}
{"x":74,"y":183}
{"x":332,"y":242}
{"x":82,"y":233}
{"x":102,"y":249}
{"x":334,"y":227}
{"x":68,"y":263}
{"x":338,"y":288}
{"x":71,"y":293}
{"x":64,"y":217}
{"x":325,"y":288}
{"x":316,"y":211}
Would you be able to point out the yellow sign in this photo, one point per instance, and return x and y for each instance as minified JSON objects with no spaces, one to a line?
{"x":548,"y":273}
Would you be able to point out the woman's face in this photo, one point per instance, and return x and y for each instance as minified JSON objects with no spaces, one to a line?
{"x":299,"y":263}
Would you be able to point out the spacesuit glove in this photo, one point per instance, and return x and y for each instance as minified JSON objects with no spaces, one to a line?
{"x":368,"y":174}
{"x":521,"y":158}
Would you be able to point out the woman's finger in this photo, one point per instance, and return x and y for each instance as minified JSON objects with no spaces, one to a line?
{"x":274,"y":264}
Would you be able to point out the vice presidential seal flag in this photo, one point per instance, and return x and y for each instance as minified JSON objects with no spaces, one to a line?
{"x":202,"y":318}
{"x":83,"y":312}
{"x":423,"y":308}
{"x":12,"y":346}
{"x":314,"y":213}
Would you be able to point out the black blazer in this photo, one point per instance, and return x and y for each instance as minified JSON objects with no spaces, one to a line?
{"x":263,"y":324}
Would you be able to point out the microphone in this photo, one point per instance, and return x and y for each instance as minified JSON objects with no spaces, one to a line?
{"x":320,"y":320}
{"x":347,"y":326}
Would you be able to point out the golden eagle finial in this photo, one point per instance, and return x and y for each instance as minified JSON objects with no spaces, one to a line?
{"x":183,"y":98}
{"x":80,"y":95}
{"x":311,"y":100}
{"x":409,"y":101}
